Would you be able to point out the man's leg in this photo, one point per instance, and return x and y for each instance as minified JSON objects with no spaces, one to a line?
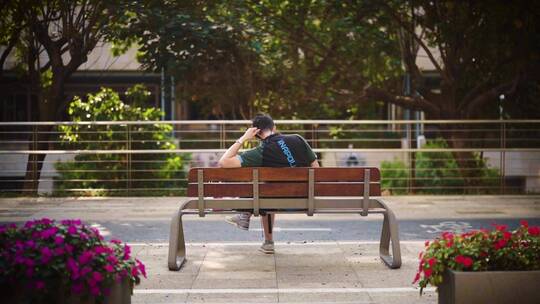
{"x":268,"y":225}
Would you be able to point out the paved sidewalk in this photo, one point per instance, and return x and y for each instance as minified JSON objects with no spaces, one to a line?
{"x":324,"y":272}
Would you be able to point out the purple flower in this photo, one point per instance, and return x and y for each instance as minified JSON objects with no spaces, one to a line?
{"x":30,"y":244}
{"x":85,"y":270}
{"x":85,"y":257}
{"x":40,"y":285}
{"x":109,"y":268}
{"x":141,"y":267}
{"x":69,"y":248}
{"x":58,"y":240}
{"x":112,"y":259}
{"x":77,"y":288}
{"x":94,"y":290}
{"x":97,"y":276}
{"x":59,"y":251}
{"x":47,"y":233}
{"x":73,"y":267}
{"x":72,"y":230}
{"x":46,"y":255}
{"x":29,"y":272}
{"x":127,"y":252}
{"x":29,"y":263}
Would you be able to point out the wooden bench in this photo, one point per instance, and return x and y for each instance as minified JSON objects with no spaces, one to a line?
{"x":285,"y":190}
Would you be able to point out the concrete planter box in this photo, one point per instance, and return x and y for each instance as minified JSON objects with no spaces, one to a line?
{"x":120,"y":293}
{"x":494,"y":287}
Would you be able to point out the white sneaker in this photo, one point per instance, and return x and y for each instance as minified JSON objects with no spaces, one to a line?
{"x":267,"y":247}
{"x":240,"y":220}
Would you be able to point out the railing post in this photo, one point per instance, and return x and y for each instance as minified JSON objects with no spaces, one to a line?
{"x":410,"y":158}
{"x":129,"y":177}
{"x":503,"y":158}
{"x":34,"y":157}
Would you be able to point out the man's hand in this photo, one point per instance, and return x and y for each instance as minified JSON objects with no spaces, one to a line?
{"x":250,"y":134}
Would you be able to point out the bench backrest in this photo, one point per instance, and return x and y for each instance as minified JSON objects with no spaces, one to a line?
{"x":284,"y":182}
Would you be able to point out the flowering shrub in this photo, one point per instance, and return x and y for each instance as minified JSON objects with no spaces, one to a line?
{"x":47,"y":256}
{"x":480,"y":250}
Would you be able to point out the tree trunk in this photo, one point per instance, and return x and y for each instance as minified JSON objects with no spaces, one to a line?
{"x":48,"y":111}
{"x":468,"y":164}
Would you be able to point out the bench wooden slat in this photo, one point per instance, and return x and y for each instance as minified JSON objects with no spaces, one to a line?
{"x":277,"y":189}
{"x":285,"y":174}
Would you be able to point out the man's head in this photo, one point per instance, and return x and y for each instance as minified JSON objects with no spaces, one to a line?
{"x":265,"y":123}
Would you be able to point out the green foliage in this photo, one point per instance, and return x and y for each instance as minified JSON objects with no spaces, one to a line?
{"x":496,"y":250}
{"x":111,"y":174}
{"x":394,"y":176}
{"x":437,"y":173}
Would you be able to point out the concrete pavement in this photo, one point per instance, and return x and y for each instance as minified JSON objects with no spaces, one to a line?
{"x":323,"y":259}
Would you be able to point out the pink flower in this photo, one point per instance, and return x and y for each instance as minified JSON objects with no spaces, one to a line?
{"x":134,"y":271}
{"x":59,"y":251}
{"x":115,"y":241}
{"x":426,"y":243}
{"x":534,"y":231}
{"x":85,"y":270}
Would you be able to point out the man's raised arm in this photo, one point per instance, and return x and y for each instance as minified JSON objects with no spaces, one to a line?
{"x":229,"y":158}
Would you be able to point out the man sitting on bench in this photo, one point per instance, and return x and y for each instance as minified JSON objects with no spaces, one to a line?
{"x":275,"y":150}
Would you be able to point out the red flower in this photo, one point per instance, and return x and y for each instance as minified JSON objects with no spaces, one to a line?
{"x":449,"y":243}
{"x":416,"y":278}
{"x":524,"y":223}
{"x":427,"y":272}
{"x":507,"y":235}
{"x":426,"y":243}
{"x":432,"y":262}
{"x":501,"y":227}
{"x":534,"y":230}
{"x":500,"y":244}
{"x":463,"y":260}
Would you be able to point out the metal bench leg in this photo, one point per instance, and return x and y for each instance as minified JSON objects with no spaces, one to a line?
{"x":177,"y":245}
{"x":389,"y":233}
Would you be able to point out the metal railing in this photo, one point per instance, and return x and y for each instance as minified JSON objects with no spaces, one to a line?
{"x":152,"y":157}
